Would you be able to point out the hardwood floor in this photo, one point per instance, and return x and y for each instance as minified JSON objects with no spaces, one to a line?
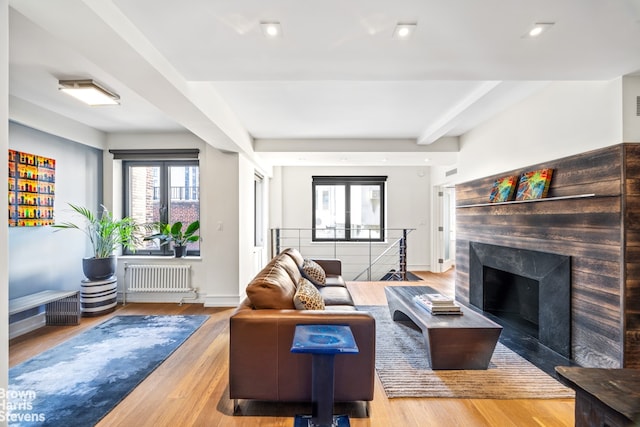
{"x":190,"y":387}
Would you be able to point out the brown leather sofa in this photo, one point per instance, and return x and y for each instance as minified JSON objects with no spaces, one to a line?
{"x":261,"y":365}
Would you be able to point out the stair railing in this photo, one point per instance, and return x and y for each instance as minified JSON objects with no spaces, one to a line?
{"x":364,"y":259}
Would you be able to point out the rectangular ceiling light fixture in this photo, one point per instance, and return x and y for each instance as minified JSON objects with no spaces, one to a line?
{"x":404,"y":31}
{"x":538,"y":28}
{"x":89,"y":92}
{"x":271,"y":30}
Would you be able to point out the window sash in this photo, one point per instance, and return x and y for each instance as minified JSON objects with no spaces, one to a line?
{"x":375,"y":186}
{"x":164,"y":196}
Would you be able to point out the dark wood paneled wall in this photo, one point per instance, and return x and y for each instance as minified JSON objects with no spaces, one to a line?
{"x":631,"y":300}
{"x":601,"y":234}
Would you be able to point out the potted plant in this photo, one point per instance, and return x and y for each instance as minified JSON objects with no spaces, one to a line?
{"x":173,"y":233}
{"x":106,"y":234}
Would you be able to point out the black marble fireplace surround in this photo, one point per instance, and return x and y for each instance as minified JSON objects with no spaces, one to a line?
{"x":529,"y":289}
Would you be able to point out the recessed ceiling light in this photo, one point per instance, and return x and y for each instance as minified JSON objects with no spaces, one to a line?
{"x":271,"y":30}
{"x":539,"y":28}
{"x":404,"y":31}
{"x":89,"y":92}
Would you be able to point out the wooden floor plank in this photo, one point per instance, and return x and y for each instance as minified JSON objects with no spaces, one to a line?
{"x":191,"y":387}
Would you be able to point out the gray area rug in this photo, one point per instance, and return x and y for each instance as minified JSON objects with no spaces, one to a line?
{"x":404,"y":371}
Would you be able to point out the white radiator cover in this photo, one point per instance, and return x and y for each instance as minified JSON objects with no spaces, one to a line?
{"x":157,"y":278}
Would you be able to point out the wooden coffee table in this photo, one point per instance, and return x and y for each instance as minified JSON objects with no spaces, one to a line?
{"x":462,"y":341}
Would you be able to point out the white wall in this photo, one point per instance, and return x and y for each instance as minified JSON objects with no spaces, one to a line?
{"x":245,"y":226}
{"x":4,"y":146}
{"x":275,"y":201}
{"x":631,"y":119}
{"x":563,"y":119}
{"x":221,"y":215}
{"x":408,"y":202}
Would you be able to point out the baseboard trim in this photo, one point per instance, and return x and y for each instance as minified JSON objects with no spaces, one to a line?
{"x":27,"y":325}
{"x":160,"y":297}
{"x":221,"y":301}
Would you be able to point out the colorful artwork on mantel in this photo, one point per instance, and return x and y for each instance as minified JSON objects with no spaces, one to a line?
{"x":503,"y":189}
{"x":534,"y":184}
{"x":31,"y":189}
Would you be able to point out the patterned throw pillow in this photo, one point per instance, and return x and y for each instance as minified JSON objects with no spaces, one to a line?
{"x":307,"y":297}
{"x":312,"y":271}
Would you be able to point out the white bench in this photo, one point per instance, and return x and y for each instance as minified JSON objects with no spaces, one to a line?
{"x":61,"y":307}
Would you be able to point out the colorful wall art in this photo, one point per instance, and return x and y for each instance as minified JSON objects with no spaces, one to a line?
{"x":31,"y":189}
{"x":503,"y":189}
{"x":534,"y":184}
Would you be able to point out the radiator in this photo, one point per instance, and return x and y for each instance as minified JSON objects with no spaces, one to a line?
{"x":157,"y":278}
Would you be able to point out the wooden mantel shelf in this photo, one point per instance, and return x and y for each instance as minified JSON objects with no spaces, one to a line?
{"x":517,"y":202}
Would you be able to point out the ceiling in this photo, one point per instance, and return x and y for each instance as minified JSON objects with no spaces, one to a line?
{"x":336,"y":74}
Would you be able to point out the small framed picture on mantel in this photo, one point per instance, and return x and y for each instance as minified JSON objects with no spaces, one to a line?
{"x":534,"y":184}
{"x":503,"y":189}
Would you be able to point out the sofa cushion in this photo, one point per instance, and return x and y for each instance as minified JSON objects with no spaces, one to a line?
{"x":272,"y":288}
{"x":334,"y":281}
{"x":295,"y":255}
{"x":312,"y":271}
{"x":335,"y":295}
{"x":340,"y":308}
{"x":307,"y":296}
{"x":290,"y":266}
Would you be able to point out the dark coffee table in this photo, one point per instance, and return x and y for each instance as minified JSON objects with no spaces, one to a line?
{"x":454,"y":341}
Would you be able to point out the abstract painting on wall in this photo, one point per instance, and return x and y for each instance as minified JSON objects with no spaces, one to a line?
{"x":503,"y":189}
{"x":534,"y":184}
{"x":31,"y":189}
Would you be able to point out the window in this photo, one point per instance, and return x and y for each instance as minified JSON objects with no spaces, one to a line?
{"x":349,"y":208}
{"x":162,"y":190}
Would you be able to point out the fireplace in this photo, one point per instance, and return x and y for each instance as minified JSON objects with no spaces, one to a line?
{"x":526,"y":290}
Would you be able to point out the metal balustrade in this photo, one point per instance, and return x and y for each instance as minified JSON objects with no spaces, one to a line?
{"x":364,"y":259}
{"x":191,"y":193}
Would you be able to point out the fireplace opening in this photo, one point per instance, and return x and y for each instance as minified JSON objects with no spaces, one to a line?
{"x":512,"y":298}
{"x":525,"y":289}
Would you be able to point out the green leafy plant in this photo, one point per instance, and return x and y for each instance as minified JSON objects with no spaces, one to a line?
{"x":105,"y":233}
{"x":173,"y":233}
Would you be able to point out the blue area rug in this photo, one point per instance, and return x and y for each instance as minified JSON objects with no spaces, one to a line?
{"x":79,"y":381}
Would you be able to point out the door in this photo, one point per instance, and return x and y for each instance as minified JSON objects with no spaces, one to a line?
{"x":446,"y":234}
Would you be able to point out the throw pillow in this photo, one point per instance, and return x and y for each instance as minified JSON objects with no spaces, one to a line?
{"x":312,"y":271}
{"x":307,"y":297}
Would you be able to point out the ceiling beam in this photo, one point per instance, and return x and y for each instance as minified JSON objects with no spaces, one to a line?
{"x":488,"y":100}
{"x":118,"y":47}
{"x":449,"y":119}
